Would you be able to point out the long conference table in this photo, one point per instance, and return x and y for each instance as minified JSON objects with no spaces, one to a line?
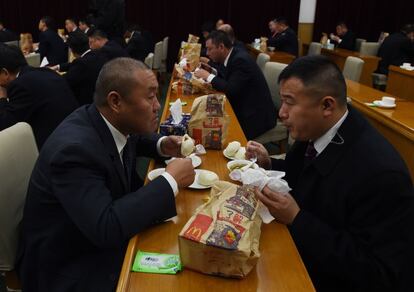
{"x":280,"y":267}
{"x":339,"y":57}
{"x":400,"y":82}
{"x":397,"y":124}
{"x":275,"y":56}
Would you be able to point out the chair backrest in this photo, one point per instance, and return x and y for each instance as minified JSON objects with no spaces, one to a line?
{"x":12,"y":43}
{"x":369,"y":48}
{"x":314,"y":49}
{"x":17,"y":158}
{"x":165,"y":48}
{"x":271,"y":72}
{"x":358,"y":43}
{"x":157,"y":56}
{"x":149,"y":60}
{"x":261,"y":60}
{"x":353,"y":68}
{"x":33,"y":59}
{"x":383,"y":35}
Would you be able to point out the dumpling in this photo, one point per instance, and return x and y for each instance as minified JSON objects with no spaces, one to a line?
{"x":207,"y":178}
{"x":232,"y":148}
{"x":187,"y":146}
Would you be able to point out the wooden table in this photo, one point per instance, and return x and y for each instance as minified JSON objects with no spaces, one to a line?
{"x":397,"y":125}
{"x":339,"y":56}
{"x":401,"y":82}
{"x":276,"y":56}
{"x":279,"y":268}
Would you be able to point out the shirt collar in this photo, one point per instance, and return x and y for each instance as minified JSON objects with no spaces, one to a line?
{"x":120,"y":139}
{"x":322,"y":142}
{"x":227,"y":58}
{"x":85,"y":53}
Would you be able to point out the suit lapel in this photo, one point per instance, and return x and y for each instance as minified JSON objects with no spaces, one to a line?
{"x":108,"y":142}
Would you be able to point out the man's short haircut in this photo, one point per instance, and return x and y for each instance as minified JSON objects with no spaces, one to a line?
{"x":281,"y":20}
{"x":320,"y":77}
{"x":97,"y":33}
{"x":49,"y":21}
{"x":342,"y":23}
{"x":71,"y":19}
{"x":78,"y":43}
{"x":11,"y":58}
{"x":218,"y":37}
{"x":229,"y":31}
{"x":117,"y":75}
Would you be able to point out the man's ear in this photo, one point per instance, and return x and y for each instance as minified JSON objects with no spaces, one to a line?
{"x":114,"y":100}
{"x":328,"y":104}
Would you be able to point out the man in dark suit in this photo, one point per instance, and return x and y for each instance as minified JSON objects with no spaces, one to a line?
{"x":83,"y":72}
{"x":98,"y":40}
{"x":285,"y":39}
{"x":84,"y":202}
{"x":139,"y":46}
{"x":344,"y":38}
{"x":37,"y":96}
{"x":243,"y":83}
{"x":351,"y":208}
{"x":6,"y":35}
{"x":396,"y":49}
{"x":51,"y":44}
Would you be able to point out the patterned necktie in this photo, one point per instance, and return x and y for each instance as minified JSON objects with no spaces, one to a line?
{"x":310,"y":152}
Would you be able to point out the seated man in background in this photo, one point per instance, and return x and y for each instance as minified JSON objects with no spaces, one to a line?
{"x":37,"y":96}
{"x":351,"y":208}
{"x":396,"y":49}
{"x":139,"y":44}
{"x":51,"y":44}
{"x":98,"y":40}
{"x":6,"y":35}
{"x":230,"y":32}
{"x":84,"y":201}
{"x":71,"y":27}
{"x":273,"y":32}
{"x":344,"y":38}
{"x":243,"y":83}
{"x":285,"y":39}
{"x":84,"y":25}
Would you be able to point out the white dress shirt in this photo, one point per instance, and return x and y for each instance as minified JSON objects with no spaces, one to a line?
{"x":211,"y":76}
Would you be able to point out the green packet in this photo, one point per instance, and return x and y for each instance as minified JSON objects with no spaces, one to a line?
{"x":148,"y":262}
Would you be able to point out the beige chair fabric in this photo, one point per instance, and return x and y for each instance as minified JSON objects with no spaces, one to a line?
{"x":12,"y":43}
{"x":261,"y":60}
{"x":314,"y":49}
{"x":17,"y":158}
{"x":353,"y":68}
{"x":279,"y":133}
{"x":157,"y":56}
{"x":358,"y":43}
{"x":149,"y":60}
{"x":33,"y":59}
{"x":163,"y":67}
{"x":369,"y":48}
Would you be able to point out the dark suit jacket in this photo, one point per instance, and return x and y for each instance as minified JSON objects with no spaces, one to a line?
{"x":6,"y":35}
{"x":286,"y":41}
{"x":348,"y":41}
{"x":39,"y":97}
{"x":52,"y":47}
{"x":246,"y":88}
{"x":138,"y":46}
{"x":112,"y":50}
{"x":355,"y":227}
{"x":82,"y":75}
{"x":395,"y":50}
{"x":80,"y":212}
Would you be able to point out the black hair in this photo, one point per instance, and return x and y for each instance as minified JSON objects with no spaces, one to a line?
{"x":320,"y":76}
{"x":218,"y":37}
{"x":49,"y":21}
{"x":281,"y":20}
{"x":97,"y":33}
{"x":11,"y":58}
{"x":342,"y":23}
{"x":78,"y":43}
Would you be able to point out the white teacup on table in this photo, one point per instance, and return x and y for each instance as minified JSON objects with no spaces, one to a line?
{"x":386,"y":102}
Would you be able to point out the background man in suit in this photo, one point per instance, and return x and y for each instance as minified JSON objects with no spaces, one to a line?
{"x":230,"y":33}
{"x":84,"y":25}
{"x":83,"y":202}
{"x":37,"y":96}
{"x":140,"y":42}
{"x":51,"y":44}
{"x":397,"y":49}
{"x":344,"y":38}
{"x":6,"y":35}
{"x":70,"y":25}
{"x":98,"y":40}
{"x":351,"y":208}
{"x":285,"y":39}
{"x":243,"y":83}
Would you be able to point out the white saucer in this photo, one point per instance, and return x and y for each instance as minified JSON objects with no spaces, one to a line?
{"x":153,"y":174}
{"x":195,"y":184}
{"x":228,"y":156}
{"x":196,"y":161}
{"x":379,"y":103}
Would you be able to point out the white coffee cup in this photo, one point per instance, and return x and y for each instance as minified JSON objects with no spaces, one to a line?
{"x":406,"y":64}
{"x":388,"y":100}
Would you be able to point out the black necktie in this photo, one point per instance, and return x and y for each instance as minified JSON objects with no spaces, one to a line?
{"x":310,"y":152}
{"x":126,"y":159}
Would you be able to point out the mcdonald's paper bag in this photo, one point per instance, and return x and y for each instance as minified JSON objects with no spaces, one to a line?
{"x":209,"y":120}
{"x":222,"y":237}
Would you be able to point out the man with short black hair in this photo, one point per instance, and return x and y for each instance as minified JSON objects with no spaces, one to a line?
{"x":84,"y":25}
{"x":98,"y":40}
{"x":284,"y":38}
{"x":344,"y":38}
{"x":243,"y":83}
{"x":85,"y":201}
{"x":140,"y":42}
{"x":351,"y":207}
{"x":37,"y":96}
{"x":230,"y":32}
{"x":51,"y":44}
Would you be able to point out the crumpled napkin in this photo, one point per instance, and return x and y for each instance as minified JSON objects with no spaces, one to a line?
{"x":261,"y":178}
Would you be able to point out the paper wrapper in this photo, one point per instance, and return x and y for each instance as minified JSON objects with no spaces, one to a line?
{"x":193,"y":38}
{"x":191,"y":52}
{"x":191,"y":84}
{"x":222,"y":237}
{"x":209,"y":120}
